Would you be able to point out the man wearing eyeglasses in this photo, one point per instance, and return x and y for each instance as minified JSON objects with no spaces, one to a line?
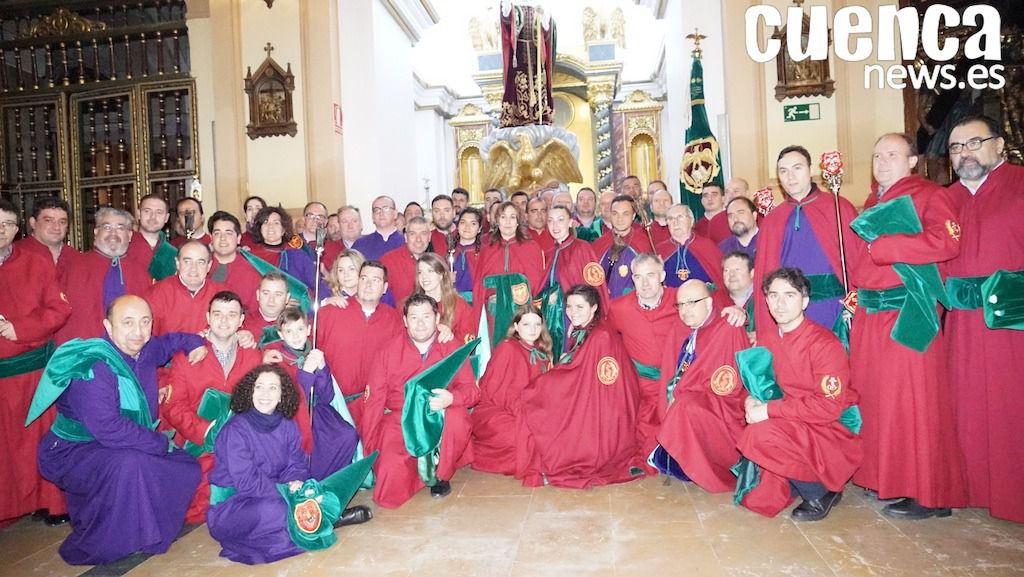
{"x":100,"y":275}
{"x":905,"y":400}
{"x":314,"y":216}
{"x":986,"y":364}
{"x":189,"y":212}
{"x":31,"y":311}
{"x":702,"y":396}
{"x":386,"y":237}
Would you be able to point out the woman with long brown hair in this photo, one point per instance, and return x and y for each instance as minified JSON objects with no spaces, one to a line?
{"x":435,"y":280}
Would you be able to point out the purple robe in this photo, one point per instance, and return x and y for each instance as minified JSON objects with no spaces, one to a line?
{"x":373,"y":246}
{"x":125,"y":491}
{"x":252,"y":524}
{"x":334,"y":438}
{"x":801,"y":249}
{"x":683,"y":259}
{"x":618,"y":275}
{"x":732,"y":244}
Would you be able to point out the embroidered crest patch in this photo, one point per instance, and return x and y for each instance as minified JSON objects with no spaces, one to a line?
{"x":623,"y":270}
{"x":308,"y":516}
{"x":723,"y":380}
{"x":831,"y":385}
{"x":520,"y":294}
{"x":295,"y":242}
{"x":683,"y":274}
{"x":607,"y":370}
{"x":593,"y":274}
{"x":953,"y":229}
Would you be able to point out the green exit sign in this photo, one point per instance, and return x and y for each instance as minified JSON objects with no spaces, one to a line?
{"x":798,"y":112}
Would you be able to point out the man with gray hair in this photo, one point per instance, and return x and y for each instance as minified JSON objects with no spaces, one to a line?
{"x":92,"y":282}
{"x":351,"y":223}
{"x":686,"y":254}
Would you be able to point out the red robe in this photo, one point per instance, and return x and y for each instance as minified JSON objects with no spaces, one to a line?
{"x":350,"y":342}
{"x":401,"y":265}
{"x":140,"y":251}
{"x":439,"y":242}
{"x":332,"y":248}
{"x":397,"y":476}
{"x":706,"y":417}
{"x":578,"y":424}
{"x":82,"y":283}
{"x":574,"y":255}
{"x":464,"y":326}
{"x":915,"y":417}
{"x":32,"y":302}
{"x":68,"y":253}
{"x":543,"y":239}
{"x":819,"y":209}
{"x":180,"y":410}
{"x":523,"y":257}
{"x":635,"y":238}
{"x":644,"y":334}
{"x":802,"y":438}
{"x":986,"y":366}
{"x":494,"y":418}
{"x":716,"y":229}
{"x":177,"y":241}
{"x":659,"y":232}
{"x":175,"y":310}
{"x":240,"y":278}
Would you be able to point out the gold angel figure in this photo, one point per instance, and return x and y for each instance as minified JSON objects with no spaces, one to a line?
{"x":531,"y":168}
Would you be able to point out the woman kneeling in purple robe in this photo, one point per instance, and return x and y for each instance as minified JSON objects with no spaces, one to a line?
{"x":257,"y":449}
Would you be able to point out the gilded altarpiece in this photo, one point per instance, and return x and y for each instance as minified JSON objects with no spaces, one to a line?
{"x":637,"y":128}
{"x":97,"y":106}
{"x":471,"y":125}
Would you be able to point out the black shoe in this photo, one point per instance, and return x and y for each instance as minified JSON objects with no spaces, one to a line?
{"x":441,"y":489}
{"x":56,"y":520}
{"x":909,"y":509}
{"x":354,"y":516}
{"x":816,"y":509}
{"x":873,"y":494}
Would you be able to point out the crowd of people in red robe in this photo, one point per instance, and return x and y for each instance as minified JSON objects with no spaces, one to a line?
{"x":768,"y":352}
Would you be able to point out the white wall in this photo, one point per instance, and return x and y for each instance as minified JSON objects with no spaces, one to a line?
{"x":200,"y":39}
{"x":378,"y":106}
{"x":435,"y":153}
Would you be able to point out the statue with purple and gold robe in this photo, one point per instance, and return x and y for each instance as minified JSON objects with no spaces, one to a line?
{"x":528,"y":55}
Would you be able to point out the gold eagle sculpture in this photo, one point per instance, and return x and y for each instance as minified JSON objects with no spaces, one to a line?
{"x":529,"y":168}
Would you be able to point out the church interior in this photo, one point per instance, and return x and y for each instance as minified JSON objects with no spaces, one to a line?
{"x":340,"y":101}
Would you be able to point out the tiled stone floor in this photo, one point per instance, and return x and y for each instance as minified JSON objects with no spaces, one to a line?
{"x":492,"y":527}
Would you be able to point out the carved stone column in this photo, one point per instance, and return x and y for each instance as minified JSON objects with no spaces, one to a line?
{"x":600,"y":92}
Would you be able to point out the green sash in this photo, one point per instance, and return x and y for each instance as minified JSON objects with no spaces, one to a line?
{"x":825,"y":287}
{"x":965,"y":292}
{"x":918,"y":321}
{"x":758,"y":376}
{"x":269,"y":336}
{"x":296,"y":288}
{"x":467,"y":296}
{"x":592,"y":232}
{"x":505,"y":303}
{"x":552,"y":302}
{"x":26,"y":362}
{"x":215,"y":407}
{"x":422,"y":427}
{"x":646,"y":371}
{"x":74,"y":360}
{"x":163,"y":264}
{"x":1003,"y":295}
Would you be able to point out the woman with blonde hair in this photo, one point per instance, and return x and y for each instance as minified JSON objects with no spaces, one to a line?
{"x":343,"y":277}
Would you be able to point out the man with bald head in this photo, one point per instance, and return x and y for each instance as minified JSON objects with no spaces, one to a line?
{"x":735,"y":188}
{"x":91,"y":282}
{"x":918,"y":413}
{"x":687,"y":255}
{"x":986,"y":365}
{"x":180,"y":302}
{"x":127,"y":484}
{"x":702,"y":400}
{"x":386,"y":236}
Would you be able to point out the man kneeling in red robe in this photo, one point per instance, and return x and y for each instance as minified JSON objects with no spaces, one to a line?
{"x":398,"y":477}
{"x":798,"y":440}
